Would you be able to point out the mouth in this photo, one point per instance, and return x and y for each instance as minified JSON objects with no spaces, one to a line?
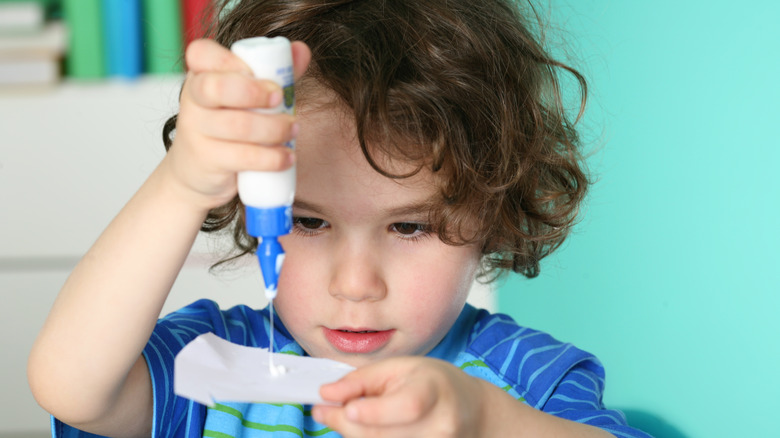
{"x":358,"y":340}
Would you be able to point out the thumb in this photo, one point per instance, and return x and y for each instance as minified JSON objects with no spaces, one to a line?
{"x":403,"y":405}
{"x":382,"y":393}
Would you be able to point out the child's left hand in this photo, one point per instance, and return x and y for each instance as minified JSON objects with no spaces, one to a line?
{"x":404,"y":397}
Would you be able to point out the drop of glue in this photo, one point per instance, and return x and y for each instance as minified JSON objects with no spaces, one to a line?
{"x":274,"y":370}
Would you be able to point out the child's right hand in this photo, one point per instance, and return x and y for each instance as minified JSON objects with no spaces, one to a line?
{"x":216,"y":136}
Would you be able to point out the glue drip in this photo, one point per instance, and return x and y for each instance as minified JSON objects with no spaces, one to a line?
{"x":274,"y":370}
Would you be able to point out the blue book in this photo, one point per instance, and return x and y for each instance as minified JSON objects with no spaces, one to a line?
{"x":123,"y":35}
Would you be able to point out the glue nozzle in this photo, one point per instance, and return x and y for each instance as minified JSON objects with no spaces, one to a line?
{"x":267,"y":224}
{"x":270,"y":255}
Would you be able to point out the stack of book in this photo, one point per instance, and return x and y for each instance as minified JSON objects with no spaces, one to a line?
{"x":124,"y":38}
{"x":127,"y":38}
{"x":104,"y":38}
{"x":31,"y":48}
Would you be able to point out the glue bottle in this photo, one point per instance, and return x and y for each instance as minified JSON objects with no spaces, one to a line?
{"x":268,"y":196}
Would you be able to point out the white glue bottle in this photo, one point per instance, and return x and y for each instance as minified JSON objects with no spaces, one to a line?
{"x":268,"y":196}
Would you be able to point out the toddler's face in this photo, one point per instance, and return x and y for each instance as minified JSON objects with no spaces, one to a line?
{"x":363,"y":279}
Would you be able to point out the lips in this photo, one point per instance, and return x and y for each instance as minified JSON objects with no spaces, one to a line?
{"x":358,"y":340}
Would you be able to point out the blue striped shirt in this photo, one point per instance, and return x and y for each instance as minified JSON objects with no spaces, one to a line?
{"x":529,"y":365}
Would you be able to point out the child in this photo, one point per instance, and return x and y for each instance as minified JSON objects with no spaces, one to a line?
{"x":431,"y":148}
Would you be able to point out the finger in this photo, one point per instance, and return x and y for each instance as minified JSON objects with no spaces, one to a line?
{"x":301,"y":58}
{"x":373,"y":379}
{"x":348,"y":387}
{"x":405,"y":405}
{"x":247,"y":126}
{"x":324,"y":413}
{"x":208,"y":55}
{"x":238,"y":157}
{"x":231,"y":90}
{"x":334,"y":417}
{"x":384,"y":392}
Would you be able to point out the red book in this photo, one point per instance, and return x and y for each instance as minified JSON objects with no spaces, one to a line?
{"x":193,"y":18}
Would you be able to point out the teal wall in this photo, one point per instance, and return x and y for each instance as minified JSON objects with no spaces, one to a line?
{"x":672,"y":275}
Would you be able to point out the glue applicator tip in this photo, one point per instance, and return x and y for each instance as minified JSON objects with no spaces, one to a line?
{"x":271,"y":256}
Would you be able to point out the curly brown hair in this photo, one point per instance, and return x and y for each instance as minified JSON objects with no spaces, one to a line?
{"x":460,"y":87}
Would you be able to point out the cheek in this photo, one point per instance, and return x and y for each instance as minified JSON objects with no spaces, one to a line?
{"x":299,"y":267}
{"x":298,"y":290}
{"x":449,"y":271}
{"x":439,"y":287}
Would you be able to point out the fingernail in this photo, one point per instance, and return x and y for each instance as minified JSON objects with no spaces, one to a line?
{"x":316,"y":414}
{"x":352,"y":413}
{"x":275,"y":98}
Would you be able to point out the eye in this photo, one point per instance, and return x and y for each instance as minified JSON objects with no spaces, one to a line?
{"x":311,"y":223}
{"x":411,"y":230}
{"x":308,"y":225}
{"x":406,"y":228}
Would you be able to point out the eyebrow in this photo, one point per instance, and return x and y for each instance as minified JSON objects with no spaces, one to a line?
{"x":419,"y":208}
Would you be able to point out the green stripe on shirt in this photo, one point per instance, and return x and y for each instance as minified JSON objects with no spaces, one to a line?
{"x":265,"y":427}
{"x":258,"y":426}
{"x":211,"y":434}
{"x":473,"y":363}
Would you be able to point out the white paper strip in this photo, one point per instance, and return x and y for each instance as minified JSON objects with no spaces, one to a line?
{"x":210,"y":368}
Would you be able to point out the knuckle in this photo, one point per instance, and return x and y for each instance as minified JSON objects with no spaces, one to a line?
{"x":414,"y":408}
{"x":212,"y":87}
{"x":257,"y":94}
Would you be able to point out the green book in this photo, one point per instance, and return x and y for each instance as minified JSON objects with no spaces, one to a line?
{"x":163,"y":48}
{"x":85,"y":58}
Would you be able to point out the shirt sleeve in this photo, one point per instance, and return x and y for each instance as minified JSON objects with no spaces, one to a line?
{"x":554,"y":377}
{"x":578,"y":397}
{"x":174,"y":416}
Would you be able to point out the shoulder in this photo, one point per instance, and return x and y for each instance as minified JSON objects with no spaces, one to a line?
{"x":239,"y":324}
{"x":206,"y":316}
{"x":530,"y":361}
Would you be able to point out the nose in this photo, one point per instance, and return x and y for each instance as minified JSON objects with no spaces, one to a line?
{"x":357,"y":273}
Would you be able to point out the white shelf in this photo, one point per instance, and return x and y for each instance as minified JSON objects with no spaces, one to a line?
{"x":72,"y":155}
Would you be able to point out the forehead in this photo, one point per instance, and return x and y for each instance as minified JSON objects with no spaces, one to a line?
{"x":332,"y":168}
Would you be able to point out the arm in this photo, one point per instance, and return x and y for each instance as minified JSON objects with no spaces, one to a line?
{"x":86,"y":366}
{"x":503,"y":416}
{"x":427,"y":397}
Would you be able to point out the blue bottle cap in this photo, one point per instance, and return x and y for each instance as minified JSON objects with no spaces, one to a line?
{"x":268,"y":224}
{"x":274,"y":221}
